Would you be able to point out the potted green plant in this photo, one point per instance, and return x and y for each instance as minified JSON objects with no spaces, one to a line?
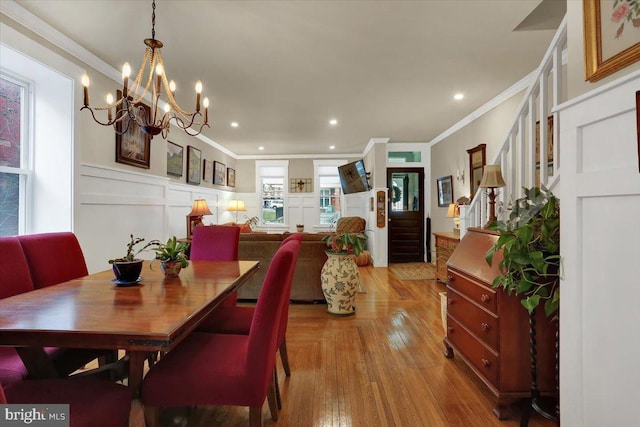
{"x":340,"y":278}
{"x":172,"y":256}
{"x":530,"y":245}
{"x":127,"y":268}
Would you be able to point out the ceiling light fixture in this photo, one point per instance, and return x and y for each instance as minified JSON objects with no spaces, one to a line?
{"x":333,"y":122}
{"x":128,"y":108}
{"x":458,"y":96}
{"x":234,"y":124}
{"x":261,"y":148}
{"x":332,"y":147}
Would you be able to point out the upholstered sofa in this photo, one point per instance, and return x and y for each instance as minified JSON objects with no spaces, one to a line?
{"x":306,"y":278}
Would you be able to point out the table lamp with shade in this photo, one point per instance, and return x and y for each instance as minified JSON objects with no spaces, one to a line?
{"x":194,"y":218}
{"x":236,"y":206}
{"x":492,"y":179}
{"x":454,"y":212}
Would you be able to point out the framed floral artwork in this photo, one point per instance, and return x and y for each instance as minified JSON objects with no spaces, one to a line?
{"x":194,"y":165}
{"x":175,"y":157}
{"x":219,"y":172}
{"x":133,"y":147}
{"x":610,"y":36}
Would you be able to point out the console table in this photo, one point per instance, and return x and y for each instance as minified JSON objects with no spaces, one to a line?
{"x":446,"y":242}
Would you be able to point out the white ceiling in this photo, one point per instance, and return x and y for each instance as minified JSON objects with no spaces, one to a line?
{"x":282,"y":69}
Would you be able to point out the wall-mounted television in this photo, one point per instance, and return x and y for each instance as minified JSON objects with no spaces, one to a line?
{"x":353,"y":177}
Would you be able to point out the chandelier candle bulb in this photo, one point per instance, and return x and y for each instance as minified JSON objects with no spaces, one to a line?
{"x":172,"y":86}
{"x":205,"y":103}
{"x":85,"y":88}
{"x":110,"y":103}
{"x":159,"y":71}
{"x":126,"y":72}
{"x":198,"y":91}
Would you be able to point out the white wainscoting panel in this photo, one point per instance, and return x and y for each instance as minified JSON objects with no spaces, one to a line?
{"x":600,"y":245}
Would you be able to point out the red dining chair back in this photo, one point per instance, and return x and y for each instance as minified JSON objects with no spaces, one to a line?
{"x":91,"y":402}
{"x":219,"y":369}
{"x":215,"y":243}
{"x":15,"y":278}
{"x":295,"y":236}
{"x":53,"y":258}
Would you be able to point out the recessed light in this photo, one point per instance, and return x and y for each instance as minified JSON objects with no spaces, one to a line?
{"x":333,"y":122}
{"x":458,"y":96}
{"x":261,"y":148}
{"x":234,"y":124}
{"x":332,"y":147}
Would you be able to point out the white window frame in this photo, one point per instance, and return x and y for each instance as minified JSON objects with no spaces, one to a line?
{"x":25,"y":171}
{"x":272,"y":169}
{"x":318,"y":165}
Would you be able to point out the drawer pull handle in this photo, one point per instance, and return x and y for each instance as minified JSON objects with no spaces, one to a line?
{"x":484,"y":326}
{"x":486,"y":363}
{"x":450,"y":301}
{"x":485,"y":298}
{"x":450,"y":329}
{"x":450,"y":278}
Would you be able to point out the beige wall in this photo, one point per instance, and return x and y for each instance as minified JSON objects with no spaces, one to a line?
{"x":575,"y":41}
{"x":451,"y":154}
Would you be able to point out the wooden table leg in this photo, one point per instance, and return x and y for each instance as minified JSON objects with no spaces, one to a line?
{"x":38,"y":364}
{"x":136,"y":370}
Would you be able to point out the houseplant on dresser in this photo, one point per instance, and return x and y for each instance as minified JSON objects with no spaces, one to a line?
{"x":340,"y":278}
{"x":127,"y":269}
{"x":530,"y":265}
{"x":172,"y":256}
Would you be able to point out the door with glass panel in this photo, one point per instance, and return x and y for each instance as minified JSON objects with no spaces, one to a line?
{"x":406,"y":214}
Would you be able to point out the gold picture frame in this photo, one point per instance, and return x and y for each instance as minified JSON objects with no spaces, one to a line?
{"x":597,"y":67}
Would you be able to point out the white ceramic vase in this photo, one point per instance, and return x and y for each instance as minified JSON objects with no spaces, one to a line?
{"x":340,"y":279}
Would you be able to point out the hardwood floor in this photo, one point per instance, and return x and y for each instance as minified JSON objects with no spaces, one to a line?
{"x":382,"y":367}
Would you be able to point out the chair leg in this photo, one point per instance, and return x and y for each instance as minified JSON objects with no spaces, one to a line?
{"x":278,"y":396}
{"x":271,"y":398}
{"x":255,"y":416}
{"x":284,"y":357}
{"x":150,"y":416}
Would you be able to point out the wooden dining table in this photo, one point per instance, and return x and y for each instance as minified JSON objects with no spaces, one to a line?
{"x":92,"y":312}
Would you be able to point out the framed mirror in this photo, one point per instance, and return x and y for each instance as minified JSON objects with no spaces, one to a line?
{"x":477,"y":160}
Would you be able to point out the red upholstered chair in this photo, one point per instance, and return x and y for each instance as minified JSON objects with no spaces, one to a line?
{"x":237,"y":320}
{"x":53,"y":258}
{"x":91,"y":402}
{"x":216,"y":243}
{"x":220,"y":369}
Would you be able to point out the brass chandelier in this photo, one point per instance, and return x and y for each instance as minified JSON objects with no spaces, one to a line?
{"x":129,"y":108}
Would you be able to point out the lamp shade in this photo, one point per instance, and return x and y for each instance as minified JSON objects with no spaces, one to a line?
{"x":200,"y":208}
{"x":492,"y":177}
{"x":453,"y":211}
{"x":236,"y":206}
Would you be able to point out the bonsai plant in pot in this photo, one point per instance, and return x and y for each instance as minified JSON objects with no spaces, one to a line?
{"x":530,"y":245}
{"x":172,"y":256}
{"x":127,"y":269}
{"x":340,"y":277}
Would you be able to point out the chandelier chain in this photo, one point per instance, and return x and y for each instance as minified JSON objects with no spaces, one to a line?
{"x":153,"y":20}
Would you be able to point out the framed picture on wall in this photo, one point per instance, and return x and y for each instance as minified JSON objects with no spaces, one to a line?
{"x":207,"y":175}
{"x":610,"y":37}
{"x":175,"y":157}
{"x":194,"y":165}
{"x":445,"y":190}
{"x":219,"y":172}
{"x":133,"y":147}
{"x":231,"y":177}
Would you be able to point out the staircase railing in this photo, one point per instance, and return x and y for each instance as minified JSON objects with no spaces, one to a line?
{"x":525,"y":147}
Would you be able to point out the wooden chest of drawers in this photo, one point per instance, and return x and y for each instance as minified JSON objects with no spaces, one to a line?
{"x":489,"y":330}
{"x":446,"y":242}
